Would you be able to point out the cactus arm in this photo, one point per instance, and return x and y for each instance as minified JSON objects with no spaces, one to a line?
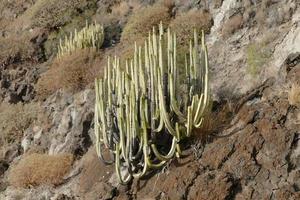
{"x":118,"y":167}
{"x":169,"y":155}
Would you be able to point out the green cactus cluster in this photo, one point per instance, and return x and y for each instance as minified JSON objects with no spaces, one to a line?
{"x":92,"y":35}
{"x":143,"y":109}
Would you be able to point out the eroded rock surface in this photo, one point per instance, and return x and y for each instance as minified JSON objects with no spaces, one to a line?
{"x":254,"y":156}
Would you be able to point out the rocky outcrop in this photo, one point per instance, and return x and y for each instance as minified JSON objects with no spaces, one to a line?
{"x":69,"y":126}
{"x":254,"y":156}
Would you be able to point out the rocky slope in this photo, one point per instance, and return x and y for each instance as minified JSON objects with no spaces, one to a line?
{"x":251,"y":149}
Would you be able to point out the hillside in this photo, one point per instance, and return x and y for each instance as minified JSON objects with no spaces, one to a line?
{"x":249,"y":147}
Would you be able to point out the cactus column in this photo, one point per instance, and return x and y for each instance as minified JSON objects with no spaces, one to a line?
{"x":141,"y":114}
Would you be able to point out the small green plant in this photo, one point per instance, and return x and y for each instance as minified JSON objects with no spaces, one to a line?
{"x":257,"y":55}
{"x":90,"y":36}
{"x":143,"y":110}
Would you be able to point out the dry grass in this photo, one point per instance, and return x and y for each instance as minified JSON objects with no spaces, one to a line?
{"x":14,"y":120}
{"x":10,"y":9}
{"x":40,"y":169}
{"x":143,"y":20}
{"x":215,"y":121}
{"x":124,"y":7}
{"x":70,"y":72}
{"x":294,"y":95}
{"x":185,"y":24}
{"x":56,"y":13}
{"x":15,"y":47}
{"x":232,"y":24}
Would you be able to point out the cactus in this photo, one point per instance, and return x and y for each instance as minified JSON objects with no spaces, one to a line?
{"x":90,"y":36}
{"x":140,"y":113}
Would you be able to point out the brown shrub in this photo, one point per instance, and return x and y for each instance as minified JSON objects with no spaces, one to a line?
{"x":143,"y":20}
{"x":15,"y":47}
{"x":40,"y":169}
{"x":185,"y":24}
{"x":10,"y":9}
{"x":72,"y":72}
{"x":124,"y":7}
{"x":14,"y":120}
{"x":215,"y":121}
{"x":232,"y":24}
{"x":56,"y":13}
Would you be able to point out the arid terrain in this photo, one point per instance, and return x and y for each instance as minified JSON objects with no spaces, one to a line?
{"x":249,"y":147}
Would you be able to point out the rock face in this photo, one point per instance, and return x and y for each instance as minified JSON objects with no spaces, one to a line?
{"x":254,"y":156}
{"x":69,"y":126}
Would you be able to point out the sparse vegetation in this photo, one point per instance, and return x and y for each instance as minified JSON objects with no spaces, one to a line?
{"x":40,"y":169}
{"x":184,"y":25}
{"x":143,"y":20}
{"x":294,"y":95}
{"x":15,"y":48}
{"x":71,"y":72}
{"x":257,"y":55}
{"x":9,"y":9}
{"x":14,"y":120}
{"x":57,"y":13}
{"x":232,"y":24}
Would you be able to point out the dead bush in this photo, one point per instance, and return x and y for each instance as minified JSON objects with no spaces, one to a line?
{"x":71,"y":72}
{"x":56,"y":13}
{"x":143,"y":20}
{"x":232,"y":24}
{"x":217,"y":3}
{"x":14,"y":120}
{"x":16,"y":48}
{"x":9,"y":9}
{"x":40,"y":169}
{"x":184,"y":24}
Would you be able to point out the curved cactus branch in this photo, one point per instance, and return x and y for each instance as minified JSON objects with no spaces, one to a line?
{"x":141,"y":101}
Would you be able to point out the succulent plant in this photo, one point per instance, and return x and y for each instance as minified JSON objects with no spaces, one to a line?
{"x":90,"y":36}
{"x":144,"y":107}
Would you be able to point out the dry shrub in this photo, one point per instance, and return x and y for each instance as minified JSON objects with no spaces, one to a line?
{"x":71,"y":72}
{"x":232,"y":24}
{"x":143,"y":20}
{"x":14,"y":120}
{"x":15,"y":47}
{"x":11,"y":8}
{"x":124,"y":7}
{"x":185,"y":24}
{"x":215,"y":121}
{"x":56,"y":13}
{"x":40,"y":169}
{"x":294,"y":95}
{"x":117,"y":13}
